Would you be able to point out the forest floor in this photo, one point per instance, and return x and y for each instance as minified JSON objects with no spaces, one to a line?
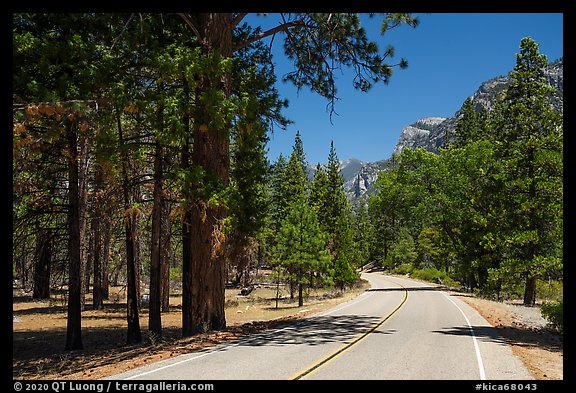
{"x":39,"y":332}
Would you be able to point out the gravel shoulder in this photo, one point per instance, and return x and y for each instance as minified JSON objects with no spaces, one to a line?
{"x":524,"y":329}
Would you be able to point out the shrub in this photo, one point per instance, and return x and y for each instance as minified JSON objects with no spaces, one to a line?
{"x":554,"y":313}
{"x":428,"y":274}
{"x":404,"y":268}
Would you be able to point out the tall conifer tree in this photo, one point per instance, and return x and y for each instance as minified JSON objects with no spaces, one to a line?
{"x":528,"y":147}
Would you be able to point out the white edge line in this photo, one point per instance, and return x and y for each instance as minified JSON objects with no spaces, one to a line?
{"x":478,"y":355}
{"x":242,"y":341}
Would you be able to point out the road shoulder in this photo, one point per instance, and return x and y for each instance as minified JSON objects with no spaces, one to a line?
{"x":540,"y":350}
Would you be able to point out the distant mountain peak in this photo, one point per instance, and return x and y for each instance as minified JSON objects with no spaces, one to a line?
{"x":430,"y":133}
{"x":418,"y":133}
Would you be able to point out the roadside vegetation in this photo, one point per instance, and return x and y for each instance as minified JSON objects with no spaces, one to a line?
{"x":485,"y":214}
{"x":139,"y":163}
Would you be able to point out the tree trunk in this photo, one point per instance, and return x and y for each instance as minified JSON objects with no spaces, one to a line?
{"x":530,"y":290}
{"x":134,"y":334}
{"x":43,"y":257}
{"x":154,"y":318}
{"x":97,"y":290}
{"x":106,"y":259}
{"x":204,"y":269}
{"x":186,"y":238}
{"x":165,"y":259}
{"x":74,"y":321}
{"x":83,"y":164}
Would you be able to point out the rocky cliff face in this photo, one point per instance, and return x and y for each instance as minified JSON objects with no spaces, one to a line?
{"x":423,"y":133}
{"x":431,"y":132}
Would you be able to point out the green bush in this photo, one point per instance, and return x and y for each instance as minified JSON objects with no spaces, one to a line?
{"x":429,"y":274}
{"x":554,"y":313}
{"x":549,"y":290}
{"x":404,"y":268}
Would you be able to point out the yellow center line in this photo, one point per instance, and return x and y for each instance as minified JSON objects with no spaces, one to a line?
{"x":329,"y":358}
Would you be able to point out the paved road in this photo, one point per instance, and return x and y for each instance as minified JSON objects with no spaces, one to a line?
{"x":399,"y":329}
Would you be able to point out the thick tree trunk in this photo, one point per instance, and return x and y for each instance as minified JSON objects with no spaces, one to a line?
{"x":204,"y":267}
{"x":74,"y":321}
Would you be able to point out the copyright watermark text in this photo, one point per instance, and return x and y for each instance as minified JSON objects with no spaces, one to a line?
{"x":110,"y":386}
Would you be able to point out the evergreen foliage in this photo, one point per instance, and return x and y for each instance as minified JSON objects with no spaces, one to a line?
{"x":126,"y":128}
{"x":301,"y":246}
{"x":486,"y":210}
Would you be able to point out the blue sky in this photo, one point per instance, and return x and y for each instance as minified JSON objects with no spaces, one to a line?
{"x":449,"y":56}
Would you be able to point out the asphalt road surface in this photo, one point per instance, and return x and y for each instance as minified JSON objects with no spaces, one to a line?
{"x":399,"y":329}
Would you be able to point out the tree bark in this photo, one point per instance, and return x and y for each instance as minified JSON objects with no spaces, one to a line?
{"x":134,"y":334}
{"x":97,"y":290}
{"x":83,"y":164}
{"x":186,"y":225}
{"x":74,"y":321}
{"x":154,"y":312}
{"x":43,"y":257}
{"x":106,"y":258}
{"x":530,"y":290}
{"x":204,"y":267}
{"x":165,"y":259}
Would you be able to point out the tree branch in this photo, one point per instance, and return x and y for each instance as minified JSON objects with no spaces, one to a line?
{"x":237,"y":20}
{"x":92,"y":103}
{"x":191,"y":24}
{"x":277,"y":29}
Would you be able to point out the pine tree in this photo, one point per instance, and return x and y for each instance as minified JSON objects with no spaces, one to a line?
{"x":301,"y":245}
{"x":319,"y":191}
{"x":345,"y":257}
{"x":363,"y":235}
{"x":276,"y":189}
{"x":528,"y":148}
{"x":293,"y":184}
{"x":334,"y":40}
{"x":335,"y":216}
{"x":298,"y":152}
{"x":336,"y":200}
{"x":470,"y":124}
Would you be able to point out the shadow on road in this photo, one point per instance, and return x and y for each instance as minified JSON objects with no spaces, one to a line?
{"x":481,"y":332}
{"x":509,"y":335}
{"x":401,"y":289}
{"x":317,"y":331}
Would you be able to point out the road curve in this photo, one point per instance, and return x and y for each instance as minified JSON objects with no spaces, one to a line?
{"x":399,"y":329}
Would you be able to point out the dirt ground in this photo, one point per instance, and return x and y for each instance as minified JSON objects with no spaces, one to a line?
{"x":541,"y":351}
{"x":39,"y":333}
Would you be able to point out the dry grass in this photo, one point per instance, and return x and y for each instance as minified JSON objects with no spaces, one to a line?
{"x":39,"y":337}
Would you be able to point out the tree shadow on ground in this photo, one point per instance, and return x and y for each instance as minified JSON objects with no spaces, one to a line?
{"x":317,"y":330}
{"x":401,"y":289}
{"x":42,"y":352}
{"x":525,"y":337}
